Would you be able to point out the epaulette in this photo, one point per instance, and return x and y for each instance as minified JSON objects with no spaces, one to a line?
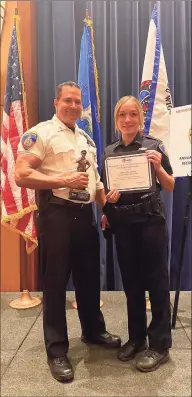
{"x":39,"y":125}
{"x":161,"y":144}
{"x":89,"y":140}
{"x":151,"y":137}
{"x":43,"y":123}
{"x":112,"y":144}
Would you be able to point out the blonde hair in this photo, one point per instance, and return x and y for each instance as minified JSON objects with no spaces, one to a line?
{"x":136,"y":102}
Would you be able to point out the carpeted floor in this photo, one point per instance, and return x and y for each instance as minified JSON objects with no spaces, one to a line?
{"x":24,"y":370}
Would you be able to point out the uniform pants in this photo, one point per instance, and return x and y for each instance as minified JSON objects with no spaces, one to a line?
{"x":71,"y":243}
{"x":142,"y":250}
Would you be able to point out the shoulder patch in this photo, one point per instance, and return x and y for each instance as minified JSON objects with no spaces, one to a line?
{"x":28,"y":140}
{"x":162,"y":148}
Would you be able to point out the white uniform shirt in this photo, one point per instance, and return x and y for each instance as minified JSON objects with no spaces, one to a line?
{"x":59,"y":148}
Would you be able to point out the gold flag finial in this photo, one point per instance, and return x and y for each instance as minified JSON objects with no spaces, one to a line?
{"x":87,"y":19}
{"x":86,"y":14}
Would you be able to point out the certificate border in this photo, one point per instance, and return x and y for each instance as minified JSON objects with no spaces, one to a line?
{"x":127,"y":154}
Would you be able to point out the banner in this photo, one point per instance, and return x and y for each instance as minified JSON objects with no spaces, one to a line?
{"x":180,"y":143}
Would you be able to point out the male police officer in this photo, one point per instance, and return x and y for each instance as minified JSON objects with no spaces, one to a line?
{"x":47,"y":161}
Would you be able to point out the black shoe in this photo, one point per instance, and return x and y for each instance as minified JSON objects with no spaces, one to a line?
{"x":151,"y":360}
{"x":61,"y":369}
{"x":130,"y":349}
{"x":106,"y":340}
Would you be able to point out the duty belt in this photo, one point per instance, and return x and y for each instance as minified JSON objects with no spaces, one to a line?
{"x":46,"y":198}
{"x":150,"y":205}
{"x":67,"y":203}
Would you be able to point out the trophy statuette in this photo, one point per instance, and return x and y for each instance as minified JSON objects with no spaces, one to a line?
{"x":81,"y":194}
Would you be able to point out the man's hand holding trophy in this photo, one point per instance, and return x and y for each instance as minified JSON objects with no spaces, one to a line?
{"x":81,"y":194}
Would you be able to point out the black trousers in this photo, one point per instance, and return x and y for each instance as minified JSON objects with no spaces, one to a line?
{"x":142,"y":250}
{"x":71,"y":243}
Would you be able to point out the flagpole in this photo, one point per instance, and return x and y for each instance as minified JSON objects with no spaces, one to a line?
{"x":25,"y":301}
{"x":154,"y":76}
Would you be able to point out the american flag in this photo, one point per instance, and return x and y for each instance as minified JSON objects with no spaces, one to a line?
{"x":18,"y":203}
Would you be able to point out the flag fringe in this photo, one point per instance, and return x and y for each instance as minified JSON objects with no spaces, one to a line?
{"x":6,"y":222}
{"x":18,"y":215}
{"x":89,"y":22}
{"x":24,"y":235}
{"x":32,"y":247}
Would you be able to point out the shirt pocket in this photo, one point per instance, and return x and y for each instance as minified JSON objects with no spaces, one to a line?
{"x":64,"y":157}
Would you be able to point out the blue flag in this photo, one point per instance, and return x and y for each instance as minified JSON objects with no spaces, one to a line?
{"x":88,"y":81}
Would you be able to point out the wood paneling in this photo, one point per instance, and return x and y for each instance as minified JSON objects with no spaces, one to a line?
{"x":10,"y":260}
{"x":28,"y":27}
{"x":10,"y":242}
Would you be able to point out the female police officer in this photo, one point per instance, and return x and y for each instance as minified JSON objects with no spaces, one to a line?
{"x":139,"y":225}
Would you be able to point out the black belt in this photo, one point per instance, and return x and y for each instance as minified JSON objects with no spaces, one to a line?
{"x":145,"y":207}
{"x":68,"y":203}
{"x":133,"y":208}
{"x":149,"y":205}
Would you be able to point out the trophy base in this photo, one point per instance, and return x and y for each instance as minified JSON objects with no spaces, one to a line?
{"x":79,"y":195}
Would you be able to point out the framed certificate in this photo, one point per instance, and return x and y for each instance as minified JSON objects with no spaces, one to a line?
{"x":128,"y":172}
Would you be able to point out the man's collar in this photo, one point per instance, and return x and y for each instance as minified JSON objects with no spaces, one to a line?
{"x":137,"y":139}
{"x":62,"y":125}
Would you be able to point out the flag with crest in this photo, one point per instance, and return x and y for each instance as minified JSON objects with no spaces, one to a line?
{"x":155,"y":96}
{"x":88,"y":81}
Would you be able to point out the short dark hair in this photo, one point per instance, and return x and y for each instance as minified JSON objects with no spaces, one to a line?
{"x":66,"y":83}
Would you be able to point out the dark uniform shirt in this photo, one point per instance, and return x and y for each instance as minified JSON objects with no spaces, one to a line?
{"x":139,"y":142}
